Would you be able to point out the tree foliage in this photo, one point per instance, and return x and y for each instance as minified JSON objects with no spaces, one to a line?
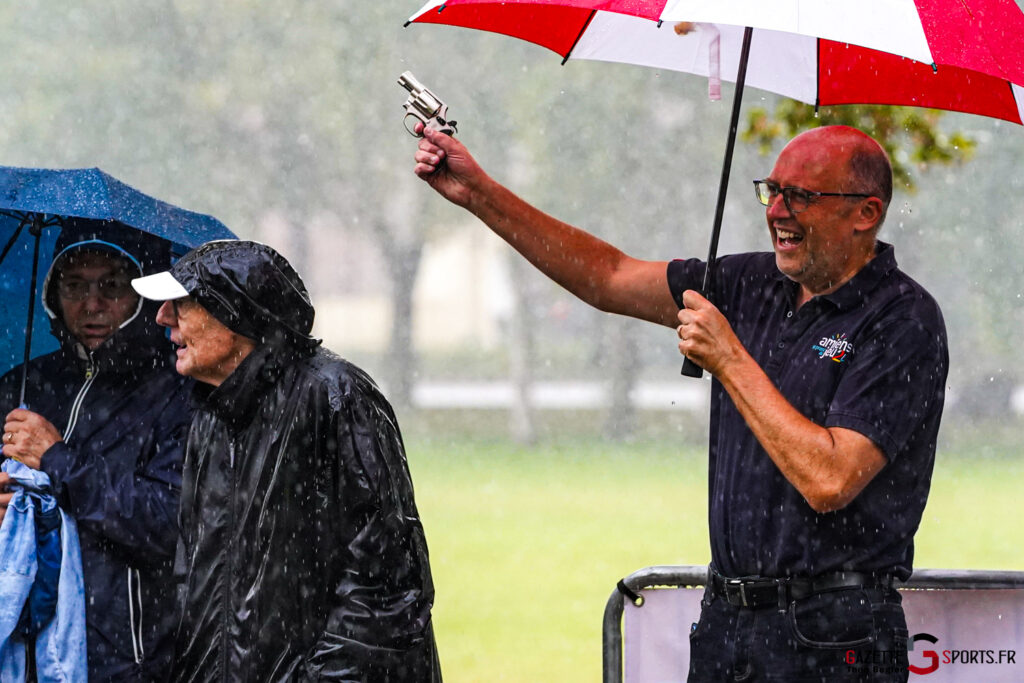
{"x":913,"y":137}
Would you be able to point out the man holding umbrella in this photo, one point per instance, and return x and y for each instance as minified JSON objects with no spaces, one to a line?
{"x":106,"y":419}
{"x":829,"y":366}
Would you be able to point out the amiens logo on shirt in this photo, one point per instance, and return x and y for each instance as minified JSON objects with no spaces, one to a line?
{"x":837,"y":348}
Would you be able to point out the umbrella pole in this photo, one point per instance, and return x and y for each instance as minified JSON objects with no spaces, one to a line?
{"x":36,"y":231}
{"x":691,"y":369}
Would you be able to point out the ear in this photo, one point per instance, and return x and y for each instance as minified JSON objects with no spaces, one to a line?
{"x":869,"y":214}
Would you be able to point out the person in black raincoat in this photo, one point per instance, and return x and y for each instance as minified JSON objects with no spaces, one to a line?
{"x":303,"y":554}
{"x":106,"y":420}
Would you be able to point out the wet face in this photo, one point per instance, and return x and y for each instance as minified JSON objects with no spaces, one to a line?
{"x":824,"y":245}
{"x":95,"y":296}
{"x":207,"y":350}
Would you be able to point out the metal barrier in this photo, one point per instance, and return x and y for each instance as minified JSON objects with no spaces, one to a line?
{"x":694,"y":576}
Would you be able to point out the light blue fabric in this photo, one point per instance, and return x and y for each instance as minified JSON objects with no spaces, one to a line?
{"x":60,"y":645}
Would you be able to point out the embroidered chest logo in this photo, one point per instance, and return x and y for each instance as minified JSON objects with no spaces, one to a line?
{"x":837,"y":348}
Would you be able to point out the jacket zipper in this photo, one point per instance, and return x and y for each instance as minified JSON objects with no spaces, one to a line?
{"x":230,"y":565}
{"x":135,"y":601}
{"x":91,"y":371}
{"x":134,"y":597}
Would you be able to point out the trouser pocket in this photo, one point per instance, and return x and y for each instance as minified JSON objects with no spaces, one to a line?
{"x":833,"y":619}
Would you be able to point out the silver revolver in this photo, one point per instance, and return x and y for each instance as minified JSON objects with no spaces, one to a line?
{"x":424,"y":106}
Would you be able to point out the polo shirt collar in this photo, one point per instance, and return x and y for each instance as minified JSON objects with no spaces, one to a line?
{"x":866,"y":279}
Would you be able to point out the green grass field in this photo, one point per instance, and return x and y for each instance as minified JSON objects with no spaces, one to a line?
{"x":527,"y":543}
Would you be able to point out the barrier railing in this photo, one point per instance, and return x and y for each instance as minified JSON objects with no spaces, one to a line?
{"x":970,"y":622}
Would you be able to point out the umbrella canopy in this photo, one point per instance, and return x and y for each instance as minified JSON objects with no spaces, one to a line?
{"x":957,"y":55}
{"x":33,"y":206}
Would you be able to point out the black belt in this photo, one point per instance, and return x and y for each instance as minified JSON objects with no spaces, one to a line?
{"x":760,"y":591}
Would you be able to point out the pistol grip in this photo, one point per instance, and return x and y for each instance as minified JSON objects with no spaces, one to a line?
{"x":691,"y":369}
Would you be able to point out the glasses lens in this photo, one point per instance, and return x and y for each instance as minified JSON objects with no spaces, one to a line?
{"x":114,"y":288}
{"x":796,"y":199}
{"x":763,"y":191}
{"x":73,"y":290}
{"x":111,"y":289}
{"x":179,"y":304}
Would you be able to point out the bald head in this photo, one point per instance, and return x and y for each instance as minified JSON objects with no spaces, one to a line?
{"x":859,"y":162}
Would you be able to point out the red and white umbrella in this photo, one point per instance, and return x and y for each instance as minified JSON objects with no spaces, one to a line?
{"x":956,"y":55}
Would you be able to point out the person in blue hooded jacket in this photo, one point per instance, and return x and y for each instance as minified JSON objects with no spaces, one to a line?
{"x":106,"y":419}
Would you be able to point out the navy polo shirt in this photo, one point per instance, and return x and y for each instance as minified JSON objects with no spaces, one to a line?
{"x":871,"y":357}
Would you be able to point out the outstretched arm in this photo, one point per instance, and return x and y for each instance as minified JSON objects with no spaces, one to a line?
{"x":590,"y":268}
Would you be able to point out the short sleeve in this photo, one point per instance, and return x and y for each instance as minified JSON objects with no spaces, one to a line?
{"x":684,"y":274}
{"x":895,"y":384}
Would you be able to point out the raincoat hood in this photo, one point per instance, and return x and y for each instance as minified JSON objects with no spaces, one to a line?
{"x":247,"y":286}
{"x":139,"y":337}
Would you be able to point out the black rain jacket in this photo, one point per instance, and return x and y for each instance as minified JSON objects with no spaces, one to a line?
{"x":303,"y":552}
{"x":124,"y":413}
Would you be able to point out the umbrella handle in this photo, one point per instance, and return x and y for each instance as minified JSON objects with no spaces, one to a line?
{"x":691,"y":369}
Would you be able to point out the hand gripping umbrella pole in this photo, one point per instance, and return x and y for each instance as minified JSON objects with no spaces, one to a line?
{"x":691,"y":369}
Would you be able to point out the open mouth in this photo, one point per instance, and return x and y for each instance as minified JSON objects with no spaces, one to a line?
{"x":786,"y":238}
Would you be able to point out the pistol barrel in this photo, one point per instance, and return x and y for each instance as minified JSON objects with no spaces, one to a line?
{"x":409,"y":82}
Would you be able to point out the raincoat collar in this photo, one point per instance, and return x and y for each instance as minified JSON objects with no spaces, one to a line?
{"x":236,"y":401}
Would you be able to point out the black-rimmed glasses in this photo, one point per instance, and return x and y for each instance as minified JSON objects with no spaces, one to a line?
{"x":176,"y":304}
{"x":111,"y":289}
{"x":797,"y":199}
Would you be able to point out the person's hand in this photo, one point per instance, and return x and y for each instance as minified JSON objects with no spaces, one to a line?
{"x":705,"y":336}
{"x":5,"y":494}
{"x":27,"y":436}
{"x":446,"y":165}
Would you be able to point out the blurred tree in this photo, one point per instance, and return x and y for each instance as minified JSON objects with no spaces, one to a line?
{"x":911,"y":136}
{"x":283,"y":120}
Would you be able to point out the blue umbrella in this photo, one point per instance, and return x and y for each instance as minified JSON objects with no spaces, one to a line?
{"x":34,"y":203}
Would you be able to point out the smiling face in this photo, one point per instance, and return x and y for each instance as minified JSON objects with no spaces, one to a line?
{"x":207,"y":350}
{"x":95,"y":296}
{"x":824,"y":245}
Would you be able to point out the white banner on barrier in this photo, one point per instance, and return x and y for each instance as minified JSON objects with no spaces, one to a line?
{"x":956,"y":634}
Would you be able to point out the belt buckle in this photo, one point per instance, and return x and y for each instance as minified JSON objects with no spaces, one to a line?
{"x":741,"y":585}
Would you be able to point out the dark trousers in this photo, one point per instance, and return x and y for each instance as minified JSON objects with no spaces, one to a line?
{"x":850,"y":634}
